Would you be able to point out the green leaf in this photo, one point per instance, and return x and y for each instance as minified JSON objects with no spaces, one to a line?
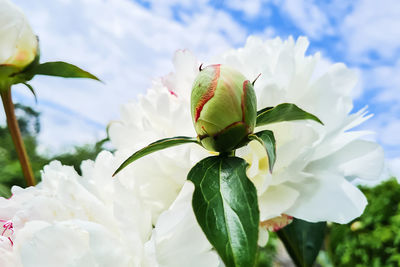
{"x":267,"y":139}
{"x":283,"y":112}
{"x":153,"y":147}
{"x":226,"y":207}
{"x":303,"y":241}
{"x":61,"y":69}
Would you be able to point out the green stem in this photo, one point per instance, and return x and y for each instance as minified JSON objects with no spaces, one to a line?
{"x":16,"y":137}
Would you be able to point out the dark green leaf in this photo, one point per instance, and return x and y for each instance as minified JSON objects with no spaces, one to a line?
{"x":32,"y":90}
{"x":226,"y":207}
{"x":267,"y":139}
{"x":303,"y":241}
{"x":61,"y":69}
{"x":283,"y":112}
{"x":153,"y":147}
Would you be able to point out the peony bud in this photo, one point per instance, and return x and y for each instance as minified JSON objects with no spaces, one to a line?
{"x":223,"y":107}
{"x":18,"y":44}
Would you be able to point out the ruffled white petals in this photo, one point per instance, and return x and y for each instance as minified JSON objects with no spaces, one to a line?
{"x":328,"y":197}
{"x":177,"y":239}
{"x":18,"y":44}
{"x":179,"y":83}
{"x":163,"y":112}
{"x":161,"y":176}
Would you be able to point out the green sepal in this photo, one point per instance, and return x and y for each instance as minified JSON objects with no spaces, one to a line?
{"x":303,"y":240}
{"x":10,"y":75}
{"x":61,"y":69}
{"x":283,"y":112}
{"x":32,"y":90}
{"x":155,"y":146}
{"x":267,"y":139}
{"x":226,"y":207}
{"x":227,"y":140}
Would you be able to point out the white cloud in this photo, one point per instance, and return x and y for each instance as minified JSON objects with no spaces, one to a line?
{"x":250,"y":8}
{"x":386,"y":125}
{"x":122,"y":42}
{"x":393,"y":166}
{"x":385,"y":79}
{"x":372,"y":27}
{"x":390,"y":133}
{"x":307,"y":16}
{"x":383,"y":83}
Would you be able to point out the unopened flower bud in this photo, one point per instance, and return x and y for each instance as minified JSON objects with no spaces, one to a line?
{"x":223,"y":107}
{"x":18,"y":43}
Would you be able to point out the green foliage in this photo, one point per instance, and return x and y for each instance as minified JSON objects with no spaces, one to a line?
{"x":226,"y":207}
{"x":29,"y":123}
{"x":374,"y":238}
{"x":10,"y":169}
{"x":266,"y":255}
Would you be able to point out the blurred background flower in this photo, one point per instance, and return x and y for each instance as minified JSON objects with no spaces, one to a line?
{"x":128,"y":42}
{"x":19,"y":43}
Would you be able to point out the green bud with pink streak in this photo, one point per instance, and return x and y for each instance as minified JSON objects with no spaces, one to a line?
{"x":223,"y":108}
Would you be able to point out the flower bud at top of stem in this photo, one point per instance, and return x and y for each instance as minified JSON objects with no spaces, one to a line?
{"x":223,"y":108}
{"x":18,"y":43}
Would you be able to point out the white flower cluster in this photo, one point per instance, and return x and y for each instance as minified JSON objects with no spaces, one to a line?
{"x":143,"y":216}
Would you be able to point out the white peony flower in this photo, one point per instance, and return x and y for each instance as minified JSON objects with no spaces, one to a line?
{"x":95,"y":220}
{"x":18,"y":43}
{"x":315,"y":164}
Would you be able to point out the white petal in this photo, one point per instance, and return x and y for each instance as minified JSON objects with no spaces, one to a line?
{"x":328,"y":197}
{"x":276,"y":200}
{"x":263,"y":236}
{"x":177,"y":237}
{"x":359,"y":159}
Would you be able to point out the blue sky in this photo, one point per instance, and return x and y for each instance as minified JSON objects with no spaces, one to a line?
{"x":127,"y":43}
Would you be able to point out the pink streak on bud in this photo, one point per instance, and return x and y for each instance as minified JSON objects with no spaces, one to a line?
{"x":210,"y":92}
